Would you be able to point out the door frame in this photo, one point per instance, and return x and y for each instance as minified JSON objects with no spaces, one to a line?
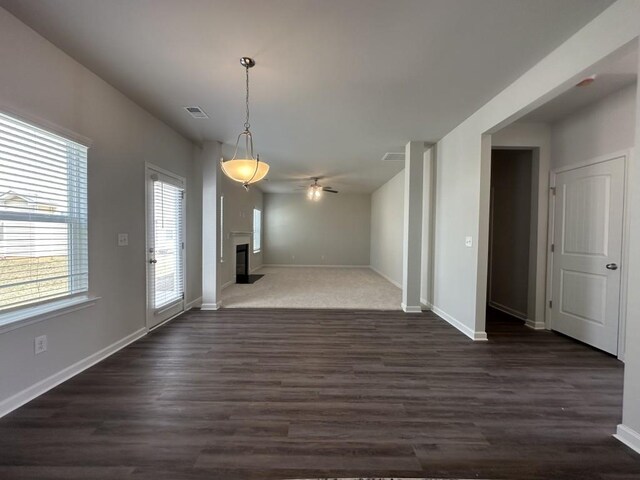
{"x":533,"y":292}
{"x":150,"y":168}
{"x":622,"y":310}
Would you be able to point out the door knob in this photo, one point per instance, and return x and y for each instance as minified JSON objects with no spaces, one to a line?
{"x":611,"y":266}
{"x":156,"y":261}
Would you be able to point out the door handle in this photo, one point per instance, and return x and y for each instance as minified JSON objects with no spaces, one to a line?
{"x":611,"y":266}
{"x":156,"y":261}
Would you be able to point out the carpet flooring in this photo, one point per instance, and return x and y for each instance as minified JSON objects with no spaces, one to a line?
{"x":313,"y":287}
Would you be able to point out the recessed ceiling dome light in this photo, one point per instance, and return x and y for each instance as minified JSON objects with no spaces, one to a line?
{"x":587,"y":81}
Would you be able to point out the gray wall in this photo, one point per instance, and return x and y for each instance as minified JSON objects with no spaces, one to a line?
{"x":332,"y":231}
{"x":510,"y":230}
{"x":44,"y":82}
{"x":601,"y":128}
{"x":387,"y":213}
{"x":238,"y":217}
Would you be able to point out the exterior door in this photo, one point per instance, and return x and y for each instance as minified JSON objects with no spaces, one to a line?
{"x":165,"y":246}
{"x":588,"y":226}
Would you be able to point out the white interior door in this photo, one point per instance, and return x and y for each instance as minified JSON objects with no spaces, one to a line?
{"x":588,"y":226}
{"x":165,"y":246}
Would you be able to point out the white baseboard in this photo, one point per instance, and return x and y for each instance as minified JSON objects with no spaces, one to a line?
{"x":47,"y":384}
{"x":515,"y":313}
{"x":386,"y":277}
{"x":411,"y":308}
{"x":228,"y":284}
{"x":210,"y":306}
{"x":508,"y":310}
{"x":312,"y":266}
{"x":473,"y":335}
{"x":425,"y":304}
{"x":193,"y":303}
{"x":535,"y":325}
{"x":628,"y":436}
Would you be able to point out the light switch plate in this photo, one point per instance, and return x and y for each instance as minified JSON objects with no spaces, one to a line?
{"x":468,"y":241}
{"x":40,"y":344}
{"x":123,"y":239}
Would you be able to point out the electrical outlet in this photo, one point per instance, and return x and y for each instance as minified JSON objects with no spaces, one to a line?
{"x":123,"y":239}
{"x":40,"y":344}
{"x":468,"y":241}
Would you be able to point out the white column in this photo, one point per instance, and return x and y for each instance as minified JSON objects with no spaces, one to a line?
{"x":428,"y":227}
{"x":412,"y":238}
{"x":210,"y":160}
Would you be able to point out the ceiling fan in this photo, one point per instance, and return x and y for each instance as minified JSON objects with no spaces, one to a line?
{"x":315,"y":190}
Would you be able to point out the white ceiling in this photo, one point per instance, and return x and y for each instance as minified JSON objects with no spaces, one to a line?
{"x":338,"y":82}
{"x":612,"y":74}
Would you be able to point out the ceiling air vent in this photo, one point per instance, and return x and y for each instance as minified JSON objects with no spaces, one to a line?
{"x":196,"y":112}
{"x":393,"y":157}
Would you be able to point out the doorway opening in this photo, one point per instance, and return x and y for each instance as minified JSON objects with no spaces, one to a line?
{"x":510,"y":232}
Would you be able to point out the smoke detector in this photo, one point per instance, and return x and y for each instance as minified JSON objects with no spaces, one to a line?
{"x":196,"y":112}
{"x":393,"y":157}
{"x":587,"y":81}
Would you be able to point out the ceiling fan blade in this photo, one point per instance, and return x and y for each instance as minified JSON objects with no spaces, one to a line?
{"x":329,"y":190}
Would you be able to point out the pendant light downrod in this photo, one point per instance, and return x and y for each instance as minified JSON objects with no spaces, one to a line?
{"x":248,"y":169}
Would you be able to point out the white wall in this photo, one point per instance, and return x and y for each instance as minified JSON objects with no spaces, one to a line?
{"x":387,"y":210}
{"x":238,"y":217}
{"x":601,"y":128}
{"x":629,"y":431}
{"x":39,"y":80}
{"x":464,"y":159}
{"x":332,"y":231}
{"x":607,"y":126}
{"x":463,"y":186}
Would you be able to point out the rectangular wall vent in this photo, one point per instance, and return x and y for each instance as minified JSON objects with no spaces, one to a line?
{"x":196,"y":112}
{"x":393,"y":157}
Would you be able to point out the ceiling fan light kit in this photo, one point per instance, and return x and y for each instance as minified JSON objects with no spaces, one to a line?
{"x":314,"y":193}
{"x":247,"y":169}
{"x":315,"y":190}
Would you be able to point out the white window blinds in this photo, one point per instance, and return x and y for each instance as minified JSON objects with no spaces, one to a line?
{"x":257,"y":230}
{"x":168,"y":277}
{"x":43,"y":215}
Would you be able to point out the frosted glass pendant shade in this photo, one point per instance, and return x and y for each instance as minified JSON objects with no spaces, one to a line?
{"x":245,"y":171}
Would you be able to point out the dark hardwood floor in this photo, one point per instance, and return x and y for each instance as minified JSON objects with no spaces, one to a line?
{"x":281,"y":394}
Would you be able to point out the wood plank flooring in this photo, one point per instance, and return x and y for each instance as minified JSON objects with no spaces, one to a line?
{"x":281,"y":394}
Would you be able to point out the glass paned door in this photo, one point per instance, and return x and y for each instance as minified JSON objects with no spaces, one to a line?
{"x":165,"y":246}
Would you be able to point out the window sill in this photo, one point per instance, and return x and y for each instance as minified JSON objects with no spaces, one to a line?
{"x":255,"y":252}
{"x":29,"y":315}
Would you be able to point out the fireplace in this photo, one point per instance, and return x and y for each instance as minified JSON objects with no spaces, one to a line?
{"x":242,"y":263}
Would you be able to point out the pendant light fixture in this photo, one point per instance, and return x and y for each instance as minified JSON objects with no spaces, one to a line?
{"x":245,"y":169}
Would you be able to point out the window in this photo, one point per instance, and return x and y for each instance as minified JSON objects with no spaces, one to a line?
{"x":257,"y":230}
{"x":43,"y":213}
